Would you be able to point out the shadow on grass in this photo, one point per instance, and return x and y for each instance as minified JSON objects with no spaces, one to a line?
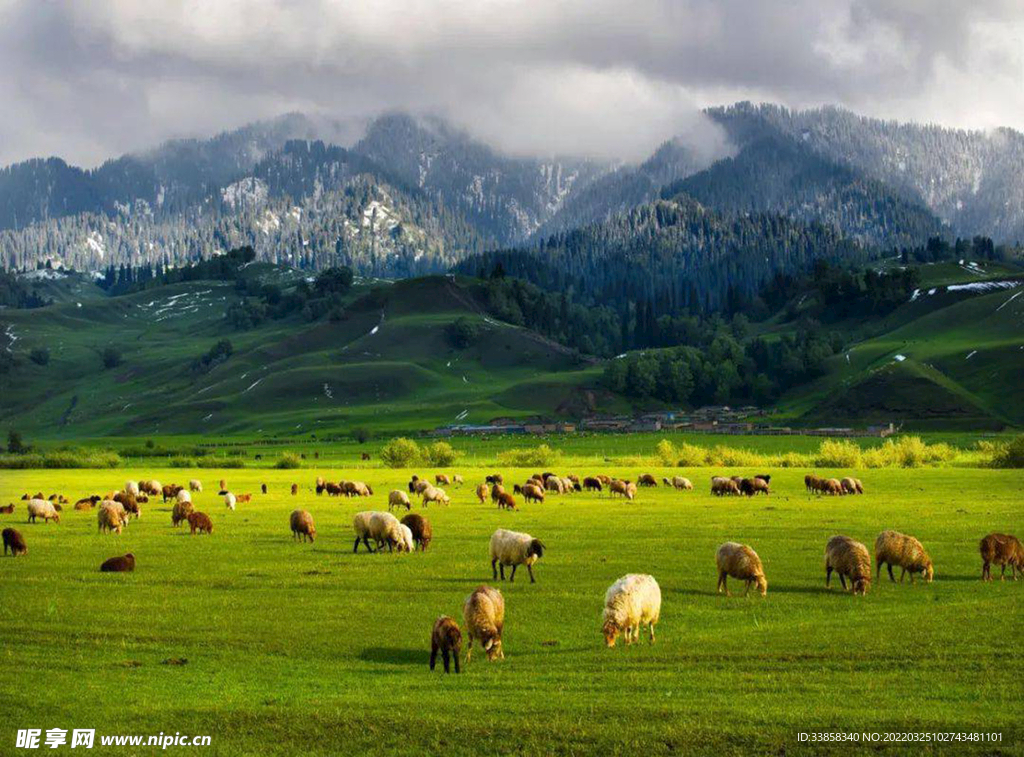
{"x":395,"y":656}
{"x":837,"y":589}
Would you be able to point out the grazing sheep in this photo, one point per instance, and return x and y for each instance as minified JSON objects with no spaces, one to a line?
{"x":184,"y":496}
{"x":533,"y":493}
{"x":243,"y":498}
{"x":617,"y":487}
{"x":229,"y":501}
{"x":9,"y":508}
{"x":646,"y":479}
{"x":752,"y":486}
{"x":180,"y":512}
{"x":433,"y":494}
{"x":398,"y":499}
{"x":122,"y":564}
{"x":356,"y":489}
{"x":906,"y":552}
{"x":407,"y":542}
{"x":170,"y":491}
{"x":109,"y":519}
{"x":811,"y":482}
{"x":412,"y":483}
{"x":42,"y":508}
{"x":517,"y":489}
{"x":720,"y":486}
{"x":223,"y":485}
{"x":511,"y":548}
{"x":495,"y":491}
{"x":333,"y":490}
{"x":554,"y":484}
{"x":495,"y":478}
{"x":130,"y":504}
{"x":382,"y":527}
{"x":15,"y":541}
{"x":484,"y":614}
{"x":200,"y":522}
{"x":195,"y":485}
{"x":458,"y":480}
{"x":592,"y":484}
{"x":742,"y":563}
{"x":421,"y":486}
{"x":678,"y":482}
{"x":445,"y":638}
{"x":87,"y":503}
{"x":506,"y":502}
{"x":852,"y":485}
{"x":850,"y":559}
{"x":263,"y":488}
{"x":481,"y":492}
{"x":295,"y":489}
{"x":1003,"y":550}
{"x":302,"y":525}
{"x":442,"y":478}
{"x":132,"y":487}
{"x":422,"y":533}
{"x":632,"y":601}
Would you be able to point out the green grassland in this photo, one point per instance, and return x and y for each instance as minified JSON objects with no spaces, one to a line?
{"x":312,"y":649}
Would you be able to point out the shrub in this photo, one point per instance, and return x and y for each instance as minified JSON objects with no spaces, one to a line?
{"x":15,"y":445}
{"x":838,"y":453}
{"x":208,"y":461}
{"x":39,"y":356}
{"x":64,"y":458}
{"x":529,"y":457}
{"x":111,"y":357}
{"x":440,"y":454}
{"x":691,"y":455}
{"x":666,"y":452}
{"x":732,"y":457}
{"x":1009,"y":455}
{"x":400,"y":453}
{"x":288,"y":461}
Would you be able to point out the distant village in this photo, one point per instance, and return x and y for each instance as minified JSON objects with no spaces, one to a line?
{"x":718,"y":419}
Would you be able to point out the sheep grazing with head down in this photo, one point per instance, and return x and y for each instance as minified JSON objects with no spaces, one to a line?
{"x":752,"y":486}
{"x":850,"y":559}
{"x":632,"y":601}
{"x":851,"y":485}
{"x":382,"y":527}
{"x":811,"y":482}
{"x":110,"y":519}
{"x":512,"y":548}
{"x":906,"y":552}
{"x":482,"y":491}
{"x":678,"y":482}
{"x":14,"y":541}
{"x":399,"y":499}
{"x":742,"y":563}
{"x":422,"y":533}
{"x":533,"y":493}
{"x":1003,"y":550}
{"x":122,"y":564}
{"x":445,"y":638}
{"x":407,"y":542}
{"x":132,"y":487}
{"x":200,"y":522}
{"x":433,"y":494}
{"x":42,"y":508}
{"x":457,"y":480}
{"x":180,"y":512}
{"x":506,"y":502}
{"x":484,"y":614}
{"x":195,"y":485}
{"x":591,"y":483}
{"x":302,"y":525}
{"x":442,"y":478}
{"x":646,"y":479}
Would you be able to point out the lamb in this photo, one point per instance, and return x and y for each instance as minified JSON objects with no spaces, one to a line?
{"x":15,"y":541}
{"x":122,"y":564}
{"x":678,"y":482}
{"x":109,"y":519}
{"x":195,"y":485}
{"x":646,"y":479}
{"x":442,"y":478}
{"x":740,"y":562}
{"x":506,"y":501}
{"x":398,"y":499}
{"x":633,"y":600}
{"x":422,"y":533}
{"x":514,"y":549}
{"x":481,"y":492}
{"x":484,"y":614}
{"x":132,"y":487}
{"x":229,"y":501}
{"x":380,"y":526}
{"x":894,"y":548}
{"x":591,"y":484}
{"x":407,"y":540}
{"x":433,"y":494}
{"x":180,"y":512}
{"x":200,"y":522}
{"x":532,"y":492}
{"x":850,"y":559}
{"x":302,"y":525}
{"x":445,"y":638}
{"x":1003,"y":550}
{"x":42,"y":508}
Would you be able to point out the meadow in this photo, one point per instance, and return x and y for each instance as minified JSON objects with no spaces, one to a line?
{"x":298,"y":648}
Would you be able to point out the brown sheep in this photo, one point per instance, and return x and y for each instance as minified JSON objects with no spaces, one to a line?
{"x":129,"y":502}
{"x":894,"y":548}
{"x":446,"y":638}
{"x":263,"y":488}
{"x":332,"y":489}
{"x":606,"y":480}
{"x":495,"y":478}
{"x":15,"y":541}
{"x":180,"y":512}
{"x":122,"y":564}
{"x":720,"y":486}
{"x":591,"y":483}
{"x":356,"y":489}
{"x":442,"y":478}
{"x":200,"y":522}
{"x":532,"y":492}
{"x":481,"y":492}
{"x":243,"y":498}
{"x":618,"y":487}
{"x":646,"y":479}
{"x":496,"y":490}
{"x":302,"y":525}
{"x":7,"y":509}
{"x":170,"y":491}
{"x":295,"y":489}
{"x":1003,"y":550}
{"x":484,"y":613}
{"x":811,"y":482}
{"x":740,"y":562}
{"x":506,"y":501}
{"x":422,"y":533}
{"x":752,"y":486}
{"x":850,"y":559}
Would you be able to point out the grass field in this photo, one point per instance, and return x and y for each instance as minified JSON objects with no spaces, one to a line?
{"x":312,"y":649}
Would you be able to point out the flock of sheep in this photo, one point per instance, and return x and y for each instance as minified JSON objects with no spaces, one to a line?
{"x":631,"y":602}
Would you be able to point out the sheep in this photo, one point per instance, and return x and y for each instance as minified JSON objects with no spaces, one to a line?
{"x":506,"y":501}
{"x":263,"y":488}
{"x":295,"y":489}
{"x":632,"y":601}
{"x":646,"y":479}
{"x":481,"y":492}
{"x":740,"y":562}
{"x":42,"y":508}
{"x":1003,"y":550}
{"x":422,"y":533}
{"x":122,"y":564}
{"x":407,"y":540}
{"x":380,"y":526}
{"x":752,"y":486}
{"x":320,"y":482}
{"x":109,"y":519}
{"x":591,"y":484}
{"x":442,"y":478}
{"x":87,"y":503}
{"x":184,"y":496}
{"x":514,"y":549}
{"x":495,"y":478}
{"x":132,"y":487}
{"x":200,"y":522}
{"x":894,"y":548}
{"x":554,"y":484}
{"x":9,"y":508}
{"x":617,"y":487}
{"x":532,"y":492}
{"x":150,"y":487}
{"x":571,"y":486}
{"x":243,"y":498}
{"x":484,"y":614}
{"x":398,"y":499}
{"x":128,"y":501}
{"x":223,"y":485}
{"x":851,"y":486}
{"x":433,"y":494}
{"x":458,"y":480}
{"x":333,"y":490}
{"x":195,"y":485}
{"x":606,"y":480}
{"x":720,"y":486}
{"x":445,"y":638}
{"x":356,"y":489}
{"x":15,"y":541}
{"x":169,"y":491}
{"x":180,"y":512}
{"x":421,"y":486}
{"x":811,"y":482}
{"x":850,"y":559}
{"x":495,"y":491}
{"x":412,"y":483}
{"x":302,"y":525}
{"x":229,"y":501}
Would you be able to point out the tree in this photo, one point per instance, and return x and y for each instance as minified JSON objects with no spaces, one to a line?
{"x":14,"y":443}
{"x":111,"y":357}
{"x":39,"y":356}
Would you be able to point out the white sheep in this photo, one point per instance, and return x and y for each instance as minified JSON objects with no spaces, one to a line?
{"x":42,"y":508}
{"x":132,"y":487}
{"x":633,"y":600}
{"x":229,"y":501}
{"x":380,"y":526}
{"x":406,"y":544}
{"x":195,"y":485}
{"x":484,"y":613}
{"x":433,"y":494}
{"x":399,"y":499}
{"x":514,"y":548}
{"x":184,"y":496}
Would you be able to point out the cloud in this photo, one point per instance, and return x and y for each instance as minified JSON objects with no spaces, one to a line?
{"x":596,"y":77}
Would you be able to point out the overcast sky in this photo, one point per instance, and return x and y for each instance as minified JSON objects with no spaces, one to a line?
{"x":90,"y":79}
